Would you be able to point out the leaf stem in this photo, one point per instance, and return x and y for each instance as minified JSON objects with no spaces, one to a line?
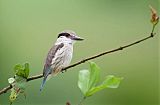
{"x":82,"y":100}
{"x":153,"y":27}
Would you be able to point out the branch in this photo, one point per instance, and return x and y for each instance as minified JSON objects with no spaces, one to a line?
{"x":4,"y":90}
{"x":107,"y":52}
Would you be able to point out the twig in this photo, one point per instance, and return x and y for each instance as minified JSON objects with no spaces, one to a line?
{"x":107,"y":52}
{"x":4,"y":90}
{"x":81,"y":101}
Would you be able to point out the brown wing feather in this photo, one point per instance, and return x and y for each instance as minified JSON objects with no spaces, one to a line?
{"x":50,"y":56}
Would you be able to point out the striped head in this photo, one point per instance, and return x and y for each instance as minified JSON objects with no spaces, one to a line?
{"x":68,"y":36}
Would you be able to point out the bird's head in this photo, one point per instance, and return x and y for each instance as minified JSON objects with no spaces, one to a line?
{"x":68,"y":36}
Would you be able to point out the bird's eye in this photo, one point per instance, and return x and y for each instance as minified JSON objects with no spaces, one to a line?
{"x":67,"y":35}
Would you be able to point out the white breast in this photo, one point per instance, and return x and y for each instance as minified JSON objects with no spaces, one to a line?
{"x":62,"y":57}
{"x":67,"y":54}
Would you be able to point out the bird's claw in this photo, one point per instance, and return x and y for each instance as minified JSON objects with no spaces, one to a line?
{"x":64,"y":71}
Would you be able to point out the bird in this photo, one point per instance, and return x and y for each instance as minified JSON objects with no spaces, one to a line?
{"x":60,"y":54}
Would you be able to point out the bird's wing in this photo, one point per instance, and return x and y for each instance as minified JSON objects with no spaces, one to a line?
{"x":48,"y":62}
{"x":50,"y":57}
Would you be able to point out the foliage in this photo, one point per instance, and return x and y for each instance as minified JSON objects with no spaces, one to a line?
{"x":88,"y":80}
{"x":19,"y":81}
{"x":22,"y":70}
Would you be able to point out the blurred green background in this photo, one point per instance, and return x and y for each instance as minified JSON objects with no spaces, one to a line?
{"x":28,"y":28}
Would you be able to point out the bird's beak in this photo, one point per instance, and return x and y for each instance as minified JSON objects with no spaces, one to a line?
{"x":77,"y":38}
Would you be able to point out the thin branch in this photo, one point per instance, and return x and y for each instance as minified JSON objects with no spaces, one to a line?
{"x":4,"y":90}
{"x":107,"y":52}
{"x":81,"y":101}
{"x":35,"y":77}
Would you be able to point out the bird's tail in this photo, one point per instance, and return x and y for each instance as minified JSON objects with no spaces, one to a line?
{"x":45,"y":78}
{"x":43,"y":82}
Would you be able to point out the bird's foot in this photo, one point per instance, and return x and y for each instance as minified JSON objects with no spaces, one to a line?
{"x":63,"y":71}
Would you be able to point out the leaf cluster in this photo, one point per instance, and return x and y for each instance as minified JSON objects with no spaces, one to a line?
{"x":89,"y":79}
{"x":19,"y":81}
{"x":22,"y":70}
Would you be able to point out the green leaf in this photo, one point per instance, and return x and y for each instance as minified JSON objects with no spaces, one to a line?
{"x":94,"y":75}
{"x":26,"y":69}
{"x":22,"y":70}
{"x":94,"y":90}
{"x":19,"y":70}
{"x":110,"y":82}
{"x":88,"y":79}
{"x":83,"y":81}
